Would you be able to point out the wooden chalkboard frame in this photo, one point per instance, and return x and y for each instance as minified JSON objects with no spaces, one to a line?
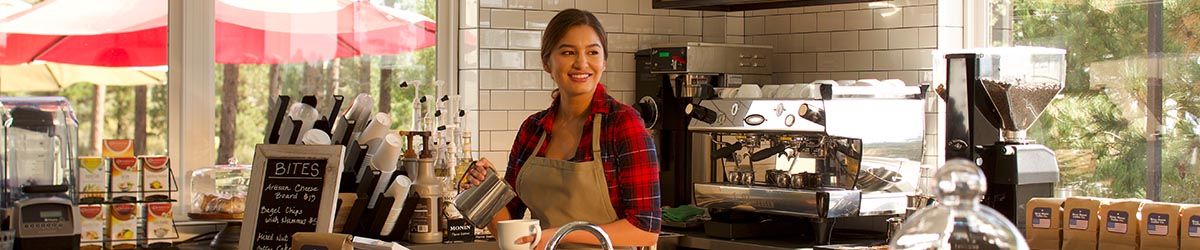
{"x":333,"y":156}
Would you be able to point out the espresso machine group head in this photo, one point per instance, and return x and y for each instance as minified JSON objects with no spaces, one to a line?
{"x":1008,"y":88}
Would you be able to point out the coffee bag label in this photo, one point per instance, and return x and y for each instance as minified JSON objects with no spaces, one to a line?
{"x":1194,"y":226}
{"x":1118,"y":222}
{"x":1041,"y":217}
{"x":1157,"y":224}
{"x":1079,"y":219}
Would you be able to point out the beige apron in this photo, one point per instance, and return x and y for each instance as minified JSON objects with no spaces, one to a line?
{"x":558,"y":192}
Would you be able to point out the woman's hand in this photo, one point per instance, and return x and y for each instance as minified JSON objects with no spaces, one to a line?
{"x":476,"y":173}
{"x":541,"y":244}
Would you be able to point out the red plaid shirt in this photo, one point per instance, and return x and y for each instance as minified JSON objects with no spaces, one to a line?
{"x":627,"y":151}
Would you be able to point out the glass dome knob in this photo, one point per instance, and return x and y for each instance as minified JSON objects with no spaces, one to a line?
{"x":959,"y":183}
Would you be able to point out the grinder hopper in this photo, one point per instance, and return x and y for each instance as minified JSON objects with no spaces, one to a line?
{"x":1019,"y":83}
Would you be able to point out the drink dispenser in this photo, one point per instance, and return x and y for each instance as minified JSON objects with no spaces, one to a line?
{"x":47,"y":132}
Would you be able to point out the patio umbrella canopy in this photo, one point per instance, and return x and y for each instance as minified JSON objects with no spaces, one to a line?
{"x":56,"y":76}
{"x":134,"y":32}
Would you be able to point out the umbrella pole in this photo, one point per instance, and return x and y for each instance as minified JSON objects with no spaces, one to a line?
{"x":98,"y":118}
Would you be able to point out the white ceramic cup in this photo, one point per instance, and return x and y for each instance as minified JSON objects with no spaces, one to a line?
{"x":770,"y":91}
{"x":749,"y":91}
{"x":510,"y":230}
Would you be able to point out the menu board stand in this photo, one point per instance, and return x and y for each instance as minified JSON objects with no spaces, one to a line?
{"x":295,"y":189}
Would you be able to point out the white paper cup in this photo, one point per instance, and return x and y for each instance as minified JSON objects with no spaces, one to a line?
{"x":507,"y":233}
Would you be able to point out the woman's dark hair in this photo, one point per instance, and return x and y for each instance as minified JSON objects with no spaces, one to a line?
{"x":564,"y":21}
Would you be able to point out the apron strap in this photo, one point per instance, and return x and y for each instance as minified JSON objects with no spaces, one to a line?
{"x":596,"y":136}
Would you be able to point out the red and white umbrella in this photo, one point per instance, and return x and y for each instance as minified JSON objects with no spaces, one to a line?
{"x":134,"y":32}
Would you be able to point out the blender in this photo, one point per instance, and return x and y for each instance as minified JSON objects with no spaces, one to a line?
{"x":38,"y":175}
{"x":992,"y":97}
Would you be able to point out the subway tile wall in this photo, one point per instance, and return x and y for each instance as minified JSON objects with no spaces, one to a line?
{"x":883,"y":40}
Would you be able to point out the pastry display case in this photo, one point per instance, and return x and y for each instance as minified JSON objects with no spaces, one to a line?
{"x":219,"y":192}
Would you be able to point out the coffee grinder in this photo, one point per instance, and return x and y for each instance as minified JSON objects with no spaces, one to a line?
{"x":1008,"y":88}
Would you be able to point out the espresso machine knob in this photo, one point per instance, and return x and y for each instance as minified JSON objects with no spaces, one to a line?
{"x":647,"y":107}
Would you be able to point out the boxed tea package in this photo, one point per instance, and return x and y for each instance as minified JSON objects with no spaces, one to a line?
{"x":92,"y":219}
{"x":156,"y":177}
{"x":1120,"y":220}
{"x":1189,"y":237}
{"x":93,"y":180}
{"x":1081,"y":227}
{"x":123,"y":225}
{"x":1043,"y":229}
{"x":160,"y":225}
{"x":125,"y":179}
{"x":1160,"y":226}
{"x":117,"y":148}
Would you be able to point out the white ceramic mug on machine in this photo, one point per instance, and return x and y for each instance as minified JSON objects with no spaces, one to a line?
{"x":510,"y":230}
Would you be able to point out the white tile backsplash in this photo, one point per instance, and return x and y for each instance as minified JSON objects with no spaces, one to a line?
{"x":508,"y":59}
{"x":889,"y":60}
{"x":502,"y":140}
{"x":508,"y":19}
{"x":859,"y":20}
{"x":804,"y":62}
{"x":778,"y":24}
{"x":537,"y":20}
{"x":618,"y":80}
{"x":886,"y":18}
{"x":525,"y":80}
{"x":668,"y":25}
{"x":918,"y":59}
{"x":485,"y":18}
{"x":920,"y":16}
{"x":516,"y":118}
{"x":507,"y":99}
{"x":859,"y":60}
{"x":523,"y":39}
{"x":491,"y":3}
{"x":927,"y":37}
{"x":537,"y":100}
{"x":493,"y":116}
{"x":558,"y":4}
{"x":844,"y":40}
{"x":525,"y":4}
{"x":485,"y":59}
{"x":902,"y":38}
{"x":755,"y":25}
{"x":803,"y":23}
{"x":493,"y":39}
{"x":648,"y":41}
{"x":873,"y":39}
{"x":622,"y":6}
{"x":638,"y":24}
{"x":625,"y":60}
{"x":831,"y":21}
{"x":493,"y":79}
{"x":622,"y":42}
{"x":816,"y":42}
{"x":533,"y":60}
{"x":592,"y":5}
{"x":693,"y":26}
{"x":611,"y":22}
{"x":833,"y":61}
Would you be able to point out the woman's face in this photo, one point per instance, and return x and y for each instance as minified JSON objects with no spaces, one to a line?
{"x":577,"y":61}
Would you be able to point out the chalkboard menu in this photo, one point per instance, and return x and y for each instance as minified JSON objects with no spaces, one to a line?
{"x":293,"y":189}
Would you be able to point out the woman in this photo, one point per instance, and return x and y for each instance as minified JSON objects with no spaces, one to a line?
{"x":587,"y":157}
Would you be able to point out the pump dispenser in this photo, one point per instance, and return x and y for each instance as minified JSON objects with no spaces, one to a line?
{"x":429,"y":190}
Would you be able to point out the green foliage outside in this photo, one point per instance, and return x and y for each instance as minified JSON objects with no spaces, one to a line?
{"x":254,"y":89}
{"x":1097,"y":125}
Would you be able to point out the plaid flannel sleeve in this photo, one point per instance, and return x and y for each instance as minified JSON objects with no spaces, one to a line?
{"x":636,"y":163}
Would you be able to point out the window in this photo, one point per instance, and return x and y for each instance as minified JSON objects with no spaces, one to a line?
{"x":1110,"y":127}
{"x":322,"y":48}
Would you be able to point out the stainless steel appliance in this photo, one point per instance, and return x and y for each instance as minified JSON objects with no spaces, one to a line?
{"x":1009,"y":88}
{"x":673,"y":75}
{"x":835,"y":157}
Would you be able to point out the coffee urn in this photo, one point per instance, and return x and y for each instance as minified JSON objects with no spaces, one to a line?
{"x":1007,"y":87}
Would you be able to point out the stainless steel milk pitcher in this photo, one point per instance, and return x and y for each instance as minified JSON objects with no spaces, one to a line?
{"x":479,"y":204}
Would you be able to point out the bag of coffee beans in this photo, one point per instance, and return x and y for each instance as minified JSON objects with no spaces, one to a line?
{"x":1160,"y":226}
{"x":1081,"y":223}
{"x":1189,"y":231}
{"x":1043,"y":227}
{"x":1119,"y":220}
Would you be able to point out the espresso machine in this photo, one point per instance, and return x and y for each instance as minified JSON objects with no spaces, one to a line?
{"x":992,"y":97}
{"x":839,"y":154}
{"x":670,"y":77}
